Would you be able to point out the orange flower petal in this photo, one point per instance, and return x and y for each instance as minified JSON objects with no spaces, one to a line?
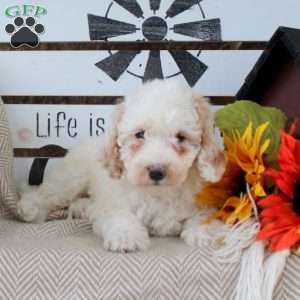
{"x":272,"y":199}
{"x":267,"y":233}
{"x":285,"y":241}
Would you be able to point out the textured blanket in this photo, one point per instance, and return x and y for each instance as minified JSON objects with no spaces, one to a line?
{"x":65,"y":260}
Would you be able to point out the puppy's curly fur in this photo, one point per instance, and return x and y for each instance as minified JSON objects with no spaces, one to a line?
{"x":142,"y":177}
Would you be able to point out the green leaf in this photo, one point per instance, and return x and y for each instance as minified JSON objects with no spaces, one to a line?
{"x":237,"y":116}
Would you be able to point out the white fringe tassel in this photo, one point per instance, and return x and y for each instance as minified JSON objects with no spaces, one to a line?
{"x":253,"y":203}
{"x":250,"y":281}
{"x":235,"y":240}
{"x":259,"y":276}
{"x":273,"y":268}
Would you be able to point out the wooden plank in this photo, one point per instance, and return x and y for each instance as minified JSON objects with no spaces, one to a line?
{"x":214,"y":73}
{"x":80,"y":100}
{"x":45,"y":152}
{"x":237,"y":20}
{"x":140,"y":45}
{"x":35,"y":126}
{"x":89,"y":100}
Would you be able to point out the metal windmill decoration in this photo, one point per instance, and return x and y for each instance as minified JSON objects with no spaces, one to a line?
{"x":154,"y":28}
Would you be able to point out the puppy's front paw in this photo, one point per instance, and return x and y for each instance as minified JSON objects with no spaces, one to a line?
{"x":125,"y":241}
{"x":29,"y":211}
{"x":165,"y":227}
{"x":123,"y":235}
{"x":196,"y":236}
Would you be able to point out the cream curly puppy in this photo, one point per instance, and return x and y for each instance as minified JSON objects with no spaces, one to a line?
{"x":142,"y":177}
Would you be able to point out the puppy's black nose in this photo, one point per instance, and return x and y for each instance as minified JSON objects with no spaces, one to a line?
{"x":157,"y":174}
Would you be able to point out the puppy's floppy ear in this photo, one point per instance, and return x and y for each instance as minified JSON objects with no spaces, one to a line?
{"x":211,"y":160}
{"x":112,"y":159}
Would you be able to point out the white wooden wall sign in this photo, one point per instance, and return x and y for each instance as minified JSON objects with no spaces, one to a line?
{"x":114,"y":73}
{"x":135,"y":20}
{"x":34,"y":126}
{"x":75,"y":73}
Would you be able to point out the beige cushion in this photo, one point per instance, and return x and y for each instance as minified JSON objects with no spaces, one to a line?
{"x":7,"y":184}
{"x":8,"y":194}
{"x":65,"y":260}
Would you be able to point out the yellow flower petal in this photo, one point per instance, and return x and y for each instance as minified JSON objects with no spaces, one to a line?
{"x":247,"y":136}
{"x":245,"y":155}
{"x":264,"y":147}
{"x":259,"y":190}
{"x":245,"y":212}
{"x":259,"y":133}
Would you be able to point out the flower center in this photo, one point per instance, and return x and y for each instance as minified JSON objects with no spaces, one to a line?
{"x":296,"y":200}
{"x":240,"y":185}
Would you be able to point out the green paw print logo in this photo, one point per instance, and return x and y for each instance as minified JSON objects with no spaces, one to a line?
{"x":25,"y":30}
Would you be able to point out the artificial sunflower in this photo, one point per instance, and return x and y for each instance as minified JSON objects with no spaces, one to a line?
{"x":280,"y":216}
{"x":244,"y":169}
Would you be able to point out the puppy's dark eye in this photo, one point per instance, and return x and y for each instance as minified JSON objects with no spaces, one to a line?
{"x":140,"y":135}
{"x":180,"y":137}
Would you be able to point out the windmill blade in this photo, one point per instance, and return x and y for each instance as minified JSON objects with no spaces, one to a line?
{"x":153,"y":69}
{"x":155,"y":5}
{"x":190,"y":66}
{"x":204,"y":30}
{"x":132,"y":6}
{"x":115,"y":65}
{"x":179,"y":6}
{"x":101,"y":28}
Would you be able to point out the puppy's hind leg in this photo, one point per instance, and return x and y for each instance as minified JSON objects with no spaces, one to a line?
{"x":58,"y":190}
{"x":78,"y":208}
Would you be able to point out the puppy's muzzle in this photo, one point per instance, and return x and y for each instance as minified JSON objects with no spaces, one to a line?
{"x":157,"y":173}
